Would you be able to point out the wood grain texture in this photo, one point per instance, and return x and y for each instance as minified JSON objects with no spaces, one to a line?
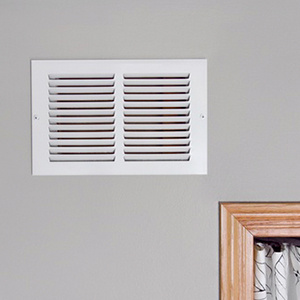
{"x":239,"y":224}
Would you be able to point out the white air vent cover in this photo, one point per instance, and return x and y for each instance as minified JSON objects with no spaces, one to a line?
{"x":119,"y":117}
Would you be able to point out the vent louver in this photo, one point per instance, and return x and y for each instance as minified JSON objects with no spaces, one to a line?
{"x":119,"y":117}
{"x":82,"y":117}
{"x":156,"y":117}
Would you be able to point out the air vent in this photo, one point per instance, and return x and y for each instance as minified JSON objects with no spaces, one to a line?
{"x":81,"y":117}
{"x":119,"y":117}
{"x":157,"y":117}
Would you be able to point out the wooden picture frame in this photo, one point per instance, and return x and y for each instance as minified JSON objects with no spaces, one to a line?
{"x":239,"y":224}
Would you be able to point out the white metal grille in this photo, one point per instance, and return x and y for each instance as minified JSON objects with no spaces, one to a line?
{"x":157,"y":117}
{"x":81,"y":117}
{"x":106,"y":117}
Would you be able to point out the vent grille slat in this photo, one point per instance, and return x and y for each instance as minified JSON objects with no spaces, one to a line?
{"x":82,"y":76}
{"x":80,"y":142}
{"x":81,"y":150}
{"x":74,"y":120}
{"x":81,"y":83}
{"x":94,"y":105}
{"x":156,"y":76}
{"x":158,"y":105}
{"x":85,"y":113}
{"x":156,"y":83}
{"x":81,"y":98}
{"x":161,"y":135}
{"x":156,"y":90}
{"x":157,"y":157}
{"x":81,"y":90}
{"x":158,"y":149}
{"x":156,"y":112}
{"x":156,"y":142}
{"x":154,"y":97}
{"x":82,"y":135}
{"x":163,"y":127}
{"x":81,"y":128}
{"x":81,"y":118}
{"x":85,"y":158}
{"x":156,"y":121}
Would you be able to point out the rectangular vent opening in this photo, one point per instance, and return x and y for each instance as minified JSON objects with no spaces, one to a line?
{"x":81,"y":117}
{"x":158,"y":114}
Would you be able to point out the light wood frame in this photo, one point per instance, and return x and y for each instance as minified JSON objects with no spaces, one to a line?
{"x":239,"y":224}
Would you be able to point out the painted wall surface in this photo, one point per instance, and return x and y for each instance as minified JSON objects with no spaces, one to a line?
{"x":145,"y":237}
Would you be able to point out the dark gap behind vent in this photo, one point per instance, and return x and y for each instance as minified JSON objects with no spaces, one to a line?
{"x":93,"y":123}
{"x":159,"y":145}
{"x":156,"y":100}
{"x":143,"y":122}
{"x":81,"y":108}
{"x":81,"y":101}
{"x":83,"y":116}
{"x":157,"y":153}
{"x":83,"y":161}
{"x":152,"y":160}
{"x":83,"y":146}
{"x":157,"y":114}
{"x":156,"y":77}
{"x":155,"y":85}
{"x":82,"y":138}
{"x":83,"y":153}
{"x":158,"y":107}
{"x":155,"y":130}
{"x":157,"y":138}
{"x":155,"y":93}
{"x":82,"y":78}
{"x":83,"y":130}
{"x":82,"y":86}
{"x":83,"y":93}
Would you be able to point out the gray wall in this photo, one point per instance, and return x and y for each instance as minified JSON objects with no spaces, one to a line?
{"x":146,"y":237}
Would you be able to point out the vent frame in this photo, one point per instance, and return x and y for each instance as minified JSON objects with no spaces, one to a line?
{"x":197,"y":70}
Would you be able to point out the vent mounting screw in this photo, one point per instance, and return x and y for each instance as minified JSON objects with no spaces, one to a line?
{"x":36,"y":117}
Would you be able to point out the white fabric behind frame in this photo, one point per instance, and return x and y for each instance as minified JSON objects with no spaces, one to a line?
{"x":277,"y":274}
